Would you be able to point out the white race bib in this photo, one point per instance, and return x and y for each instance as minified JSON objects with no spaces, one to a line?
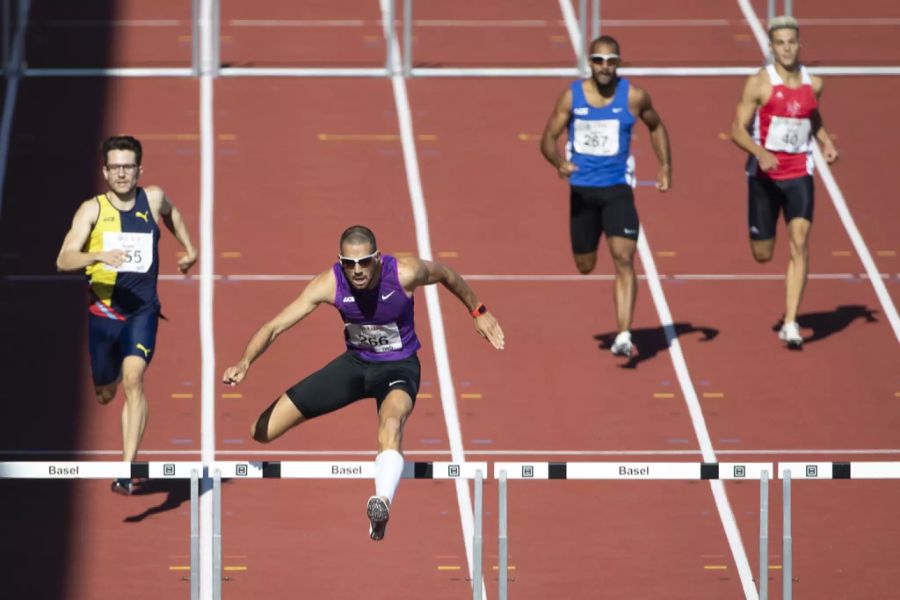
{"x":787,"y":134}
{"x":138,"y":249}
{"x":597,"y":138}
{"x":374,"y":338}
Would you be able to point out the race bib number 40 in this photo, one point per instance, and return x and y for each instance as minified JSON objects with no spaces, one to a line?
{"x":787,"y":134}
{"x":597,"y":138}
{"x":138,"y":249}
{"x":374,"y":338}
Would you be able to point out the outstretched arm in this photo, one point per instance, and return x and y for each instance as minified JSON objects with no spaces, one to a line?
{"x":415,"y":272}
{"x":174,"y":222}
{"x":659,"y":139}
{"x":320,"y":289}
{"x":556,"y":124}
{"x":72,"y":256}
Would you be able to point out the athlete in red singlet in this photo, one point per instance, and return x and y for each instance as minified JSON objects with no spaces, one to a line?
{"x":776,"y":120}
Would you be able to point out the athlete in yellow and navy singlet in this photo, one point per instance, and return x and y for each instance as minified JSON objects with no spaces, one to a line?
{"x":124,"y":305}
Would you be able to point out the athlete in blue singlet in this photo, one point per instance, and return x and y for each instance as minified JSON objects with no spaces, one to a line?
{"x":115,"y":238}
{"x":598,"y":114}
{"x":374,"y":294}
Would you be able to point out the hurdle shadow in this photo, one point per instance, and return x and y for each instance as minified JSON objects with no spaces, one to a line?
{"x":650,"y":341}
{"x":827,"y":323}
{"x":177,"y":493}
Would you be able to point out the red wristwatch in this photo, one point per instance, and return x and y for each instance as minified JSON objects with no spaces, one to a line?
{"x":478,"y":310}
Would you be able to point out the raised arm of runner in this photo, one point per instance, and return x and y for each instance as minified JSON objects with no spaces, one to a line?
{"x":320,"y":289}
{"x":415,"y":272}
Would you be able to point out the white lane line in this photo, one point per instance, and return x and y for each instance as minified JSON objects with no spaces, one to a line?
{"x":726,"y":515}
{"x":837,"y":197}
{"x":207,"y":264}
{"x":435,"y":317}
{"x":16,"y":60}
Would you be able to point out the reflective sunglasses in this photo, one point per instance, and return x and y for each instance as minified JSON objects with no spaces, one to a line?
{"x":363,"y":261}
{"x":612,"y":60}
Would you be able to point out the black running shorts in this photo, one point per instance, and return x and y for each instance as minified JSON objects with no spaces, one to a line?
{"x":349,"y":378}
{"x":767,"y":197}
{"x":597,"y":210}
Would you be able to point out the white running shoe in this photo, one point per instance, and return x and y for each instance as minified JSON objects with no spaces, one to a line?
{"x":790,"y":335}
{"x":622,"y":345}
{"x":379,"y":512}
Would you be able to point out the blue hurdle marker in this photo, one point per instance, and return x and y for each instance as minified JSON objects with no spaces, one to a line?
{"x":820,"y":470}
{"x":344,"y":470}
{"x":121,"y":470}
{"x":672,"y":471}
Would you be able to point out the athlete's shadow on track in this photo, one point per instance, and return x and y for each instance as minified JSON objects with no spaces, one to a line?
{"x":177,"y":492}
{"x":651,"y":341}
{"x":827,"y":323}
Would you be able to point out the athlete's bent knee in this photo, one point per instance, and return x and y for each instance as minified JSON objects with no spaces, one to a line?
{"x":105,"y":394}
{"x":585,"y":264}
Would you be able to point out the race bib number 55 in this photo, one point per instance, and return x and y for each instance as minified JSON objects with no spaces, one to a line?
{"x":138,"y":249}
{"x":597,"y":138}
{"x":375,"y":338}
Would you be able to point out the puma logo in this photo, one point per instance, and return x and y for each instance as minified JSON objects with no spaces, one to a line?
{"x":142,"y":215}
{"x":144,"y":349}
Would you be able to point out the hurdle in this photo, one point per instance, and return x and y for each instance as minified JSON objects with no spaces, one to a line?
{"x":648,"y":471}
{"x":822,"y":471}
{"x":122,"y":470}
{"x":343,"y":470}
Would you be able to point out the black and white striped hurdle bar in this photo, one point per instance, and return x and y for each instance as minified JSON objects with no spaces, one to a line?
{"x":122,"y":470}
{"x":631,"y":471}
{"x":345,"y":470}
{"x":674,"y":471}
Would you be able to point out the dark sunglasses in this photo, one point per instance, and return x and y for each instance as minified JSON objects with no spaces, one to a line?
{"x":363,"y":261}
{"x":612,"y":60}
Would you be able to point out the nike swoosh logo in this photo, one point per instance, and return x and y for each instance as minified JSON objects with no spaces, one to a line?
{"x":617,"y":110}
{"x":388,"y":295}
{"x":397,"y":381}
{"x":630,"y":231}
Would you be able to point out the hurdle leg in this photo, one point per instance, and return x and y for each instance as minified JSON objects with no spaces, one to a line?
{"x":787,"y":540}
{"x":502,"y":556}
{"x":217,"y":535}
{"x":195,"y":535}
{"x":764,"y":536}
{"x":476,"y":538}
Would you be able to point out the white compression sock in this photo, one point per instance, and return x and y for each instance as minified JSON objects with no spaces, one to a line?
{"x":388,"y":469}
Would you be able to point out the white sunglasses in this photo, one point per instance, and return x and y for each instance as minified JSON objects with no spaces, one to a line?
{"x":362,"y":261}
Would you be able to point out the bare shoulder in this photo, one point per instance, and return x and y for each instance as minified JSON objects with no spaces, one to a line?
{"x":638,"y":97}
{"x":322,"y":287}
{"x":88,"y":211}
{"x":564,"y":102}
{"x":756,"y":85}
{"x":155,"y":195}
{"x":411,"y":271}
{"x":818,"y":84}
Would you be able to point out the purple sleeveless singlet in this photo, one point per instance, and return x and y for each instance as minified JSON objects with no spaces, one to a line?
{"x":379,"y":323}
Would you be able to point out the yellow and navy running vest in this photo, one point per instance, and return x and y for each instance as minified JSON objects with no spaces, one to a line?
{"x":120,"y":293}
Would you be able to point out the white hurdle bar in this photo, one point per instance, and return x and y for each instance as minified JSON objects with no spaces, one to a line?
{"x":122,"y":470}
{"x":820,"y":470}
{"x":344,"y":470}
{"x":648,"y":471}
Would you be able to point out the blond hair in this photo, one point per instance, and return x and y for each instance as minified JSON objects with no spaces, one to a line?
{"x":783,"y":22}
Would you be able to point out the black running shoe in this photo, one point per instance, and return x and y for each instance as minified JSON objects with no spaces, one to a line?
{"x":122,"y":486}
{"x":378,"y":512}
